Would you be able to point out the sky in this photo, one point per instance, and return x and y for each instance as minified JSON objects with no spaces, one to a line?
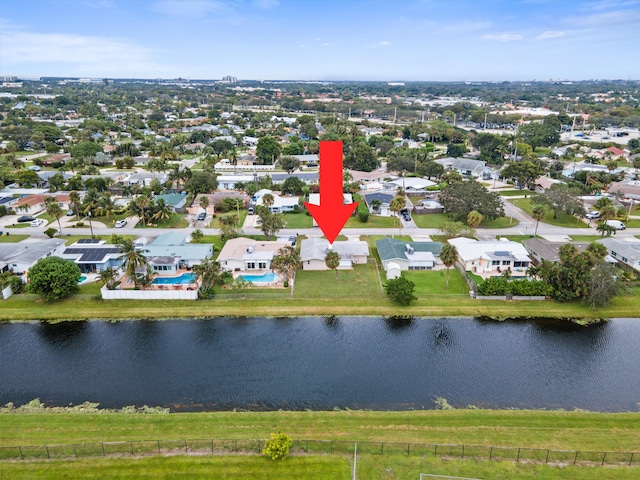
{"x":388,"y":40}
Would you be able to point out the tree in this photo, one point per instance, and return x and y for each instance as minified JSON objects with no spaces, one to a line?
{"x":474,"y":219}
{"x":524,"y":172}
{"x":539,"y":135}
{"x":268,"y":150}
{"x":461,"y":198}
{"x":456,"y":150}
{"x":54,"y":210}
{"x":286,"y":262}
{"x":605,"y":229}
{"x":54,"y":278}
{"x":560,"y":198}
{"x":538,"y":213}
{"x":163,"y":211}
{"x":85,"y":150}
{"x":608,"y":212}
{"x":204,"y":202}
{"x":208,"y":272}
{"x":278,"y":447}
{"x":400,"y":290}
{"x":271,"y":223}
{"x":268,"y":200}
{"x":397,"y":204}
{"x":449,"y":257}
{"x":603,"y":285}
{"x":201,"y":182}
{"x":90,"y":205}
{"x":289,"y":163}
{"x":132,"y":258}
{"x":332,"y":261}
{"x":361,"y":157}
{"x":142,"y":202}
{"x":457,"y":229}
{"x":108,"y":278}
{"x":144,"y":280}
{"x":74,"y":199}
{"x":293,"y":186}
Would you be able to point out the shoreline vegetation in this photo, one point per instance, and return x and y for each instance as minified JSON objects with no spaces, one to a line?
{"x":29,"y":307}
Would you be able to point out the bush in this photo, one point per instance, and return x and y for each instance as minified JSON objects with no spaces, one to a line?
{"x":363,"y":212}
{"x":400,"y":290}
{"x":50,"y":232}
{"x":80,"y":224}
{"x":54,"y":278}
{"x":278,"y":447}
{"x":286,"y":283}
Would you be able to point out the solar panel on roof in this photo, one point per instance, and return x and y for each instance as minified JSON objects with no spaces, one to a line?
{"x":502,"y":254}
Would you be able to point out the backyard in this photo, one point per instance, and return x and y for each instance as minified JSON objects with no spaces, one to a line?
{"x":434,"y":282}
{"x":361,"y":282}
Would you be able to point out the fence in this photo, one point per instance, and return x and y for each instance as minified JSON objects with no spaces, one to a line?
{"x":136,"y":448}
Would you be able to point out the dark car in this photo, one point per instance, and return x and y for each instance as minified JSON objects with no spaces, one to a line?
{"x":26,"y":218}
{"x":202,"y":215}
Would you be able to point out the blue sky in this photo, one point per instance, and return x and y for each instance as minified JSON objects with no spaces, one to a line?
{"x":322,"y":40}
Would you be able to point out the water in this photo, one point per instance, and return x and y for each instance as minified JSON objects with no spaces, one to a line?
{"x":183,"y":279}
{"x":269,"y":277}
{"x":82,"y":279}
{"x":322,"y":363}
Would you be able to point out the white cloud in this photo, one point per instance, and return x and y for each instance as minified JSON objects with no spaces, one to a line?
{"x":504,"y":37}
{"x":108,"y":56}
{"x":550,"y":34}
{"x":384,"y":43}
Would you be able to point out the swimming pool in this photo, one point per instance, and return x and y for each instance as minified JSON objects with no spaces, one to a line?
{"x":264,"y":278}
{"x":82,"y":279}
{"x":183,"y":279}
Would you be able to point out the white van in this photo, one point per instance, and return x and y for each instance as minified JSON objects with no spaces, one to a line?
{"x":617,"y":224}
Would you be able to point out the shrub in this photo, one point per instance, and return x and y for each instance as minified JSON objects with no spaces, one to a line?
{"x":50,"y":232}
{"x":363,"y":213}
{"x":278,"y":447}
{"x":400,"y":290}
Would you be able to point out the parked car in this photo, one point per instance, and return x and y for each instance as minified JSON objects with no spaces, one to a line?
{"x":617,"y":224}
{"x":26,"y":218}
{"x":37,"y":222}
{"x":70,"y":213}
{"x":202,"y":215}
{"x":120,"y":223}
{"x":593,"y":214}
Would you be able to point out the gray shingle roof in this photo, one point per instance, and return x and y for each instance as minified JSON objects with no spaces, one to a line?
{"x":391,"y":248}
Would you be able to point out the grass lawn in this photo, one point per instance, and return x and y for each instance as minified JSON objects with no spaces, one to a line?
{"x":18,"y":225}
{"x":633,"y":223}
{"x":297,"y":220}
{"x":434,"y":282}
{"x":176,"y":220}
{"x":375,"y":221}
{"x":215,"y":223}
{"x":502,"y":222}
{"x":514,"y":193}
{"x":12,"y":238}
{"x":516,"y":238}
{"x":210,"y":467}
{"x":92,"y":288}
{"x":585,"y":238}
{"x":216,"y":240}
{"x":361,"y":282}
{"x":563,"y":220}
{"x":434,"y":220}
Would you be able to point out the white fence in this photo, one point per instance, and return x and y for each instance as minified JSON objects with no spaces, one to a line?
{"x":148,"y":294}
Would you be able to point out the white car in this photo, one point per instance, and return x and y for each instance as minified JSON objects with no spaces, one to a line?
{"x":37,"y":222}
{"x":120,"y":223}
{"x":593,"y":214}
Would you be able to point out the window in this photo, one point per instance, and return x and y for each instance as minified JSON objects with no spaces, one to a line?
{"x":251,"y":265}
{"x":495,"y":262}
{"x":624,"y":259}
{"x":262,"y":265}
{"x":506,"y":262}
{"x":520,"y":264}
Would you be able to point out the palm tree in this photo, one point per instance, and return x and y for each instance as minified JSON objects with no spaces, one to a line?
{"x":449,"y":256}
{"x":142,"y":202}
{"x":204,"y":202}
{"x":90,"y":204}
{"x":395,"y":206}
{"x":133,"y":259}
{"x":74,"y":199}
{"x":538,"y":213}
{"x":268,"y":200}
{"x":145,"y":279}
{"x":332,"y":260}
{"x":54,"y":210}
{"x":108,"y":278}
{"x":107,"y":206}
{"x":474,"y":218}
{"x":608,"y":212}
{"x":164,"y":211}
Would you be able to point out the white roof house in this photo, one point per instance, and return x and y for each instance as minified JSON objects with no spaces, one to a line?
{"x":20,"y":257}
{"x":627,"y":252}
{"x":492,"y":257}
{"x":245,"y":254}
{"x":314,"y":250}
{"x":410,"y":184}
{"x":280,"y":204}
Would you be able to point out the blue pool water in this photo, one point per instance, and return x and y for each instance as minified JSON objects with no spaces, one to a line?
{"x":82,"y":279}
{"x":264,"y":278}
{"x":183,"y":279}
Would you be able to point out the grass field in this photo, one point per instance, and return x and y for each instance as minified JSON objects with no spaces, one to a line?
{"x":435,"y":220}
{"x":633,"y":223}
{"x":297,"y":220}
{"x":374,"y":221}
{"x":585,"y":238}
{"x":563,"y":219}
{"x":215,"y":223}
{"x":361,"y":282}
{"x":514,"y":193}
{"x":502,"y":222}
{"x":12,"y":238}
{"x":434,"y":282}
{"x":174,"y":221}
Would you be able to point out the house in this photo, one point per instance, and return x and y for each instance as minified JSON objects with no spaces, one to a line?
{"x":170,"y":252}
{"x":93,"y":255}
{"x":228,"y":182}
{"x":309,"y":160}
{"x":145,"y":178}
{"x":367,"y":178}
{"x":314,"y":250}
{"x":215,"y":198}
{"x":540,"y":249}
{"x":414,"y":185}
{"x":474,"y":168}
{"x":174,"y":200}
{"x":629,"y":190}
{"x":385,"y":202}
{"x":30,"y":204}
{"x":625,"y":252}
{"x":542,"y":184}
{"x":20,"y":257}
{"x":248,"y":255}
{"x":400,"y":255}
{"x":314,"y":199}
{"x":280,"y":204}
{"x":492,"y":257}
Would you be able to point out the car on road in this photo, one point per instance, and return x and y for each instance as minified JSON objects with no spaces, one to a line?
{"x":37,"y":222}
{"x":26,"y":218}
{"x":202,"y":215}
{"x":120,"y":223}
{"x":617,"y":224}
{"x":593,"y":214}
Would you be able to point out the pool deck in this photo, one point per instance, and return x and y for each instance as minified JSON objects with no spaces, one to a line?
{"x":278,"y":283}
{"x":154,"y":286}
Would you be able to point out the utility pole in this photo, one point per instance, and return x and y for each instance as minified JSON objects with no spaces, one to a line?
{"x":395,"y":111}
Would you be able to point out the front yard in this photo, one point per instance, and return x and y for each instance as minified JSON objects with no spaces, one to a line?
{"x":375,"y":221}
{"x":563,"y":220}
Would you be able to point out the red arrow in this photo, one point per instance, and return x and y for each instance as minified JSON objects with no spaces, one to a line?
{"x":331,"y":214}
